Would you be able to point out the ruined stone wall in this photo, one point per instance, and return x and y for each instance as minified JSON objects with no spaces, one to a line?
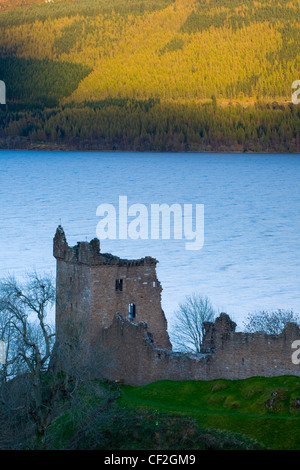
{"x":87,"y":298}
{"x":73,"y":300}
{"x":131,"y":356}
{"x":96,"y":339}
{"x":140,"y":287}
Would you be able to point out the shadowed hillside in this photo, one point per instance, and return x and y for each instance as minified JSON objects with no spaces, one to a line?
{"x":192,"y":57}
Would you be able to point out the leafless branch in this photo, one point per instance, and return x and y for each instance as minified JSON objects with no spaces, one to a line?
{"x":187,"y":333}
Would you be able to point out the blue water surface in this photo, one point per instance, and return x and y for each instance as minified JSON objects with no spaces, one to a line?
{"x":251,"y":255}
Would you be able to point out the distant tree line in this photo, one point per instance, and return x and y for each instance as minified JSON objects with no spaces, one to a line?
{"x":124,"y":124}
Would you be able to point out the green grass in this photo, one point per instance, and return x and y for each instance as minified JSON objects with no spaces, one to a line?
{"x":259,"y":408}
{"x":256,"y":413}
{"x":89,"y":424}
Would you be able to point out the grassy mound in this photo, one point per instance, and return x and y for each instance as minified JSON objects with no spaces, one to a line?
{"x":256,"y":413}
{"x":264,"y":409}
{"x":91,"y":424}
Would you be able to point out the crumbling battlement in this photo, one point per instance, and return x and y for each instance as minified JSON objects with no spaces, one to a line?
{"x":109,"y":323}
{"x":89,"y":253}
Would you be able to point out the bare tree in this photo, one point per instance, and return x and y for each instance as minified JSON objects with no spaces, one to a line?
{"x":29,"y":340}
{"x":188,"y":331}
{"x":23,"y":309}
{"x":38,"y":378}
{"x":271,"y":322}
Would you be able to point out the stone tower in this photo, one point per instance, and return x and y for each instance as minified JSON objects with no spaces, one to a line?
{"x":92,"y":287}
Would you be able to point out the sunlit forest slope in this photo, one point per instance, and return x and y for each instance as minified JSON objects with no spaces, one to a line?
{"x":151,"y":74}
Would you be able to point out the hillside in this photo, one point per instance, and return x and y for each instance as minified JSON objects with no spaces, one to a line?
{"x":262,"y":409}
{"x":155,"y":74}
{"x":255,"y":413}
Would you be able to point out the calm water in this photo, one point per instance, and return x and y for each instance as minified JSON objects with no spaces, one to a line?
{"x":251,"y":256}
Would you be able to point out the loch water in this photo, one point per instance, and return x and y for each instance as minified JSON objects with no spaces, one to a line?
{"x":250,"y":259}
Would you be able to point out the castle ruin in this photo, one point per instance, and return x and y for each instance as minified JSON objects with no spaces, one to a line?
{"x":109,"y":323}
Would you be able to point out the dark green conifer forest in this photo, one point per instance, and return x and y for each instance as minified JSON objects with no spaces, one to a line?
{"x":158,"y":75}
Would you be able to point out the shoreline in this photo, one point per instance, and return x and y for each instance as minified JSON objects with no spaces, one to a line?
{"x":19,"y":143}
